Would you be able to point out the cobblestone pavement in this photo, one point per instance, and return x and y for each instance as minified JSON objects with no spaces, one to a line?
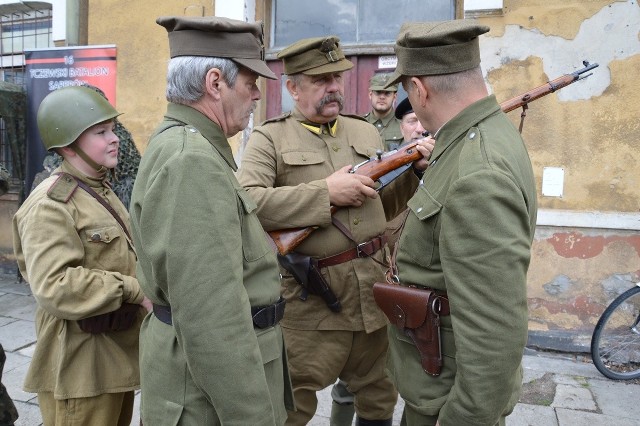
{"x":558,"y":389}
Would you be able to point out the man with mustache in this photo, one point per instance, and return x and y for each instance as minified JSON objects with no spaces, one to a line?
{"x":296,"y":166}
{"x":212,"y":353}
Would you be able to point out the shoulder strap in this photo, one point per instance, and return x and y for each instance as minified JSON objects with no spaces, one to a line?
{"x":102,"y":201}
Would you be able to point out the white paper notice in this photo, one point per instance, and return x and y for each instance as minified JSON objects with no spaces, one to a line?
{"x":552,"y":181}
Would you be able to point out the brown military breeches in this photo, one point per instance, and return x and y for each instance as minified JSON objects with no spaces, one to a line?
{"x":318,"y":358}
{"x":109,"y":409}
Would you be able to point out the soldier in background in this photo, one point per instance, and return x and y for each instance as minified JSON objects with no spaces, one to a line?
{"x":381,"y":115}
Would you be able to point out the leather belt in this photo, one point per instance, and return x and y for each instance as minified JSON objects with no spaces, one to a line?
{"x":361,"y":250}
{"x":268,"y":316}
{"x":263,"y":316}
{"x":163,"y":313}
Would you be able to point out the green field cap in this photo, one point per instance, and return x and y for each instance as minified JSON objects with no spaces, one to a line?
{"x":379,"y":82}
{"x":314,"y":56}
{"x":434,"y":48}
{"x":213,"y":36}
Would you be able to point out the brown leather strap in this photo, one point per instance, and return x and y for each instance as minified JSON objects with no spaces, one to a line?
{"x":101,"y":200}
{"x":362,"y":250}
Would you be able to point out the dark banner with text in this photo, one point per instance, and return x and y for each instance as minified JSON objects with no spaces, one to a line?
{"x":54,"y":68}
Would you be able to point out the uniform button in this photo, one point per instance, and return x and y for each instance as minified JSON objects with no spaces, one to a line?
{"x":419,"y":209}
{"x":192,"y":130}
{"x":356,"y":221}
{"x":335,"y":148}
{"x":472,"y":135}
{"x":95,"y":237}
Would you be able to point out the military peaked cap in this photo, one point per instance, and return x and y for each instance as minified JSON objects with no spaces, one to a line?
{"x":314,"y":56}
{"x":379,"y":80}
{"x":434,"y":48}
{"x":213,"y":36}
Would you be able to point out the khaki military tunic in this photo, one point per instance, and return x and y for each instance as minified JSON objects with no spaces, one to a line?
{"x":469,"y":233}
{"x":284,"y":168}
{"x":203,"y":252}
{"x":388,"y":128}
{"x":79,"y":263}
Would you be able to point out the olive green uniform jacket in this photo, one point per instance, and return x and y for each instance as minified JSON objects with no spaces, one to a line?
{"x":389,"y":129}
{"x":79,"y":263}
{"x":203,"y":252}
{"x":284,"y":168}
{"x":469,"y":233}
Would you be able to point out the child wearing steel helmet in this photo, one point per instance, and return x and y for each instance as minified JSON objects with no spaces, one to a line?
{"x":71,"y":241}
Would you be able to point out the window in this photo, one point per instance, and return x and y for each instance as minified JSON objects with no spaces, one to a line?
{"x":20,"y":28}
{"x":354,"y":21}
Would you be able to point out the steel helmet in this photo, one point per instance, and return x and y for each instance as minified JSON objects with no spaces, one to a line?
{"x":65,"y":113}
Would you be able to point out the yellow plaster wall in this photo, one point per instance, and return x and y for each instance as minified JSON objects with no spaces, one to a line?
{"x":143,"y":52}
{"x":594,"y":140}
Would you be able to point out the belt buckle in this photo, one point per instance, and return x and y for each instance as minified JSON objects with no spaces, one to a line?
{"x":360,"y":248}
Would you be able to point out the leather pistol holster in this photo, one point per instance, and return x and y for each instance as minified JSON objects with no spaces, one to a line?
{"x":416,"y":312}
{"x":305,"y":271}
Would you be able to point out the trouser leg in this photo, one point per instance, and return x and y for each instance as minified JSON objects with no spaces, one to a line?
{"x":375,"y":394}
{"x":342,"y":409}
{"x":109,"y":409}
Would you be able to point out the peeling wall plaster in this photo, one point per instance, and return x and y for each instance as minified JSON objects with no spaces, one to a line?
{"x":609,"y":35}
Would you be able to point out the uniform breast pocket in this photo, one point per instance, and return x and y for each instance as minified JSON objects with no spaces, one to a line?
{"x":102,"y":246}
{"x":421,"y":231}
{"x":254,"y":239}
{"x":302,"y":166}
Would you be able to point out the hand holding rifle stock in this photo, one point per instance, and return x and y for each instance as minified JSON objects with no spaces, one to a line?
{"x":386,"y":167}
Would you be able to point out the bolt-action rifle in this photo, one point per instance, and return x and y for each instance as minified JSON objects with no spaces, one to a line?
{"x":385,"y":167}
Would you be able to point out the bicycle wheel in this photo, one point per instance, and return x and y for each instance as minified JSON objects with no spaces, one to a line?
{"x":615,"y":344}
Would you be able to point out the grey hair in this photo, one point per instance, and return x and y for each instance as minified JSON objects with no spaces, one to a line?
{"x":295,"y":78}
{"x":452,"y":83}
{"x":185,"y":77}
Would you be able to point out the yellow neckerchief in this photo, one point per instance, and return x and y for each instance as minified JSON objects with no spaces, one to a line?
{"x":317,"y":128}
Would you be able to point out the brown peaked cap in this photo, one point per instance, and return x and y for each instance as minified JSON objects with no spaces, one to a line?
{"x":214,"y":36}
{"x":434,"y":48}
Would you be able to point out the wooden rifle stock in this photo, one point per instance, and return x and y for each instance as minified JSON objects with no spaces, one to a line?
{"x":288,"y":239}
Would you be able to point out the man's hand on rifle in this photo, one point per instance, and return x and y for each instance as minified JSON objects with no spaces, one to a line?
{"x":425,"y":147}
{"x":349,"y":189}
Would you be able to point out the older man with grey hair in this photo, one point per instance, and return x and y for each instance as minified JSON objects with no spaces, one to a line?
{"x":212,"y":352}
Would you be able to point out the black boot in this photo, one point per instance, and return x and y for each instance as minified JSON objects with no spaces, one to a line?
{"x":364,"y":422}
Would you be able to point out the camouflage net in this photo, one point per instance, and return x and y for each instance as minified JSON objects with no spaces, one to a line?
{"x":124,"y":174}
{"x":4,"y":180}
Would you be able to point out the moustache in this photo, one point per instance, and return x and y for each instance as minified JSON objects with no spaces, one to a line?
{"x":335,"y":97}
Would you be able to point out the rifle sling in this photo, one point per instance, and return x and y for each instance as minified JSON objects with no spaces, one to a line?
{"x":102,"y":201}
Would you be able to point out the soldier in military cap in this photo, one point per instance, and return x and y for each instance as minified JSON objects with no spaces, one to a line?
{"x":296,"y":166}
{"x":71,"y":241}
{"x":383,"y":100}
{"x":212,"y":353}
{"x":467,"y":236}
